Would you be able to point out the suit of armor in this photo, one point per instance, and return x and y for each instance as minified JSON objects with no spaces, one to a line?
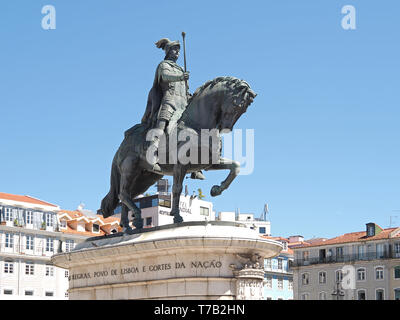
{"x":173,"y":86}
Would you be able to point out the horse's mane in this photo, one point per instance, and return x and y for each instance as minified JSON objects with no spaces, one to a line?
{"x":229,"y":81}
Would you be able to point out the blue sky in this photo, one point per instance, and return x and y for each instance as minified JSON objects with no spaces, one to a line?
{"x":326,"y":117}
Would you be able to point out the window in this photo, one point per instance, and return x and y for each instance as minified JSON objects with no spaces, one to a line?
{"x":305,"y":255}
{"x":397,"y":272}
{"x":322,"y":296}
{"x":339,"y":252}
{"x":49,"y":294}
{"x":397,"y":294}
{"x":69,"y":245}
{"x":7,"y":292}
{"x":322,"y":255}
{"x":280,"y":263}
{"x":361,"y":295}
{"x":9,"y":240}
{"x":379,"y":273}
{"x":381,"y":251}
{"x":149,"y":221}
{"x":397,"y":248}
{"x":8,"y":267}
{"x":268,"y":263}
{"x":305,"y":278}
{"x":29,"y":292}
{"x":66,"y":274}
{"x":380,"y":294}
{"x":29,"y":217}
{"x":339,"y":275}
{"x":49,"y":219}
{"x":268,"y":282}
{"x":204,"y":211}
{"x":49,"y":245}
{"x":29,"y":242}
{"x":280,"y":283}
{"x":322,"y":277}
{"x":164,"y":203}
{"x":66,"y":294}
{"x":154,"y":202}
{"x":361,"y":252}
{"x":63,"y":224}
{"x":49,"y":271}
{"x":290,"y":284}
{"x":361,"y":274}
{"x":96,"y":228}
{"x":29,"y":268}
{"x":305,"y":296}
{"x":8,"y":216}
{"x":371,"y":230}
{"x":262,"y":230}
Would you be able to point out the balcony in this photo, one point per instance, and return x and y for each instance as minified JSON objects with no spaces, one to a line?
{"x":346,"y":258}
{"x":16,"y":249}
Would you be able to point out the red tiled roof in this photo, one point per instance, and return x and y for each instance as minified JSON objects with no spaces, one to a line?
{"x":77,"y":214}
{"x":27,"y":199}
{"x":353,"y":237}
{"x":289,"y":250}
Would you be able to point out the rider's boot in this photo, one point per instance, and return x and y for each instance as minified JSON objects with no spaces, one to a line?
{"x":197,"y":175}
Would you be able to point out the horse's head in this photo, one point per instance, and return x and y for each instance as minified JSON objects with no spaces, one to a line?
{"x":236,"y":102}
{"x":218,"y":103}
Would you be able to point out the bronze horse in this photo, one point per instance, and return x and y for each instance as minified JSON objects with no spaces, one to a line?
{"x":216,"y":105}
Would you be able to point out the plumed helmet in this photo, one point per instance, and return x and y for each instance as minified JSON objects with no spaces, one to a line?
{"x":167,"y":44}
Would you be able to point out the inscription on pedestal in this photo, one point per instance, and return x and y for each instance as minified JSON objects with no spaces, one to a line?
{"x":215,"y":264}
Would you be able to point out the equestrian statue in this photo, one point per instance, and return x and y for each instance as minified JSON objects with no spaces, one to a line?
{"x":154,"y":147}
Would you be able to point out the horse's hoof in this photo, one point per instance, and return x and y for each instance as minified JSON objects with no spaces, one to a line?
{"x":138,"y":223}
{"x":127,"y":230}
{"x":215,"y":191}
{"x":178,"y":219}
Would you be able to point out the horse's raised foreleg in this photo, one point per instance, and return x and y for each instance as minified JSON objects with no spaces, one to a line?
{"x":225,"y":164}
{"x":179,"y":175}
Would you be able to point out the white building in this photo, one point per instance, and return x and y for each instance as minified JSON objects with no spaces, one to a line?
{"x":31,"y":231}
{"x":156,"y":209}
{"x":262,"y":226}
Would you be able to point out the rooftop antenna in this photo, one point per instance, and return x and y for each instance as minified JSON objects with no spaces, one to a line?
{"x":265,"y":213}
{"x":391,"y":218}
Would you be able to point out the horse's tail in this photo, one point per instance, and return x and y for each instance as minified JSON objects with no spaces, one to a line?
{"x":111,"y":200}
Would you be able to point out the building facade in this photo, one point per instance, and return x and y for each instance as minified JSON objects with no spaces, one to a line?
{"x":278,"y":274}
{"x":261,"y":225}
{"x":156,"y":209}
{"x":354,"y":266}
{"x":31,"y":231}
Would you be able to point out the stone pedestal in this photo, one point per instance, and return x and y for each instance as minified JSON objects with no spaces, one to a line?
{"x":192,"y":260}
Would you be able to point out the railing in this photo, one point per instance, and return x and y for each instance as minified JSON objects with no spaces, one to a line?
{"x":346,"y":258}
{"x":22,"y":249}
{"x":9,"y":223}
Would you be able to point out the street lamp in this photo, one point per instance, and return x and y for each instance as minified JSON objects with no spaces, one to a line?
{"x":338,"y":291}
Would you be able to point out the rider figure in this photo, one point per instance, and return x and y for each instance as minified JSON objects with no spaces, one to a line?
{"x":170,"y":87}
